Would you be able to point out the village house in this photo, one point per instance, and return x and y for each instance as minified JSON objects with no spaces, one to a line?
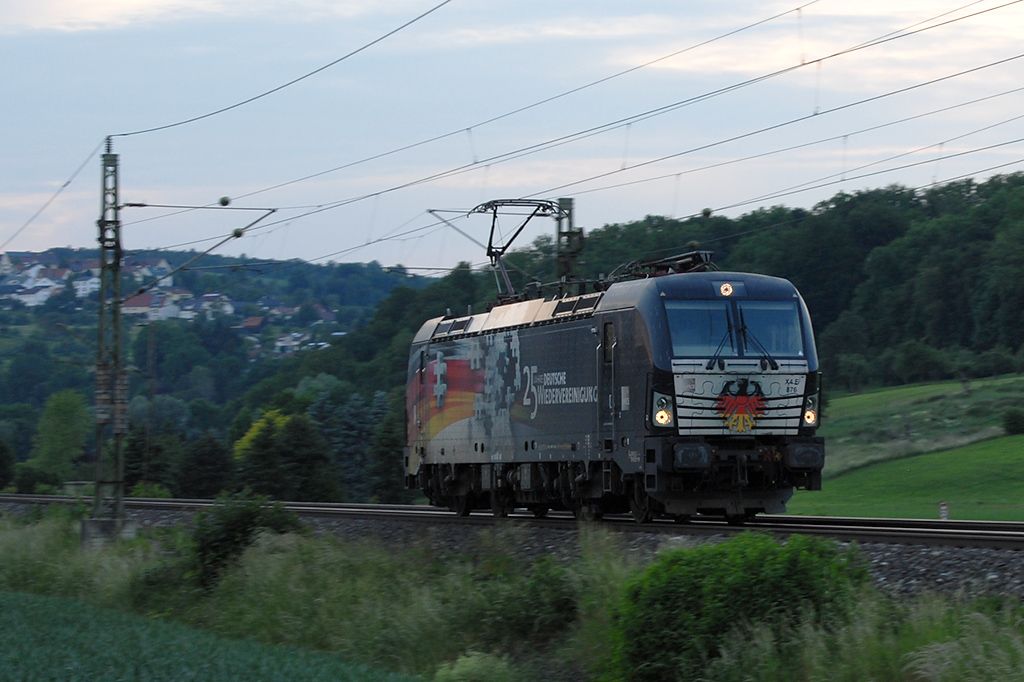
{"x":154,"y":307}
{"x":85,"y":286}
{"x":34,"y":296}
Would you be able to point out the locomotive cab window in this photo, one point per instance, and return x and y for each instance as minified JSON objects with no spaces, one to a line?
{"x":773,"y":324}
{"x":700,"y":328}
{"x":705,"y":328}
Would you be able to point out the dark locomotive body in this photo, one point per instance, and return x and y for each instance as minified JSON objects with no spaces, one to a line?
{"x":679,"y":394}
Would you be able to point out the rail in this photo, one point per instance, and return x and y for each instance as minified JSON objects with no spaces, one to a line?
{"x":938,"y":533}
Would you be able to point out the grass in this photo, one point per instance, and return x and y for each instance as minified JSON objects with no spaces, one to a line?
{"x":877,"y":426}
{"x":50,"y":638}
{"x":900,"y":452}
{"x":984,"y":481}
{"x":302,"y":608}
{"x":928,"y":639}
{"x":418,"y":611}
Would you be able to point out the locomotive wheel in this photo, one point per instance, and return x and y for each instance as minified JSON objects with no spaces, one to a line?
{"x":640,"y":504}
{"x":500,"y":507}
{"x":461,"y":505}
{"x":739,"y":519}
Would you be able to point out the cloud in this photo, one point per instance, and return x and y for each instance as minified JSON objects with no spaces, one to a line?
{"x":84,"y":15}
{"x":565,"y":28}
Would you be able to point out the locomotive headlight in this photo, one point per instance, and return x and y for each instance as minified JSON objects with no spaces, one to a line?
{"x":811,"y":411}
{"x":662,"y":414}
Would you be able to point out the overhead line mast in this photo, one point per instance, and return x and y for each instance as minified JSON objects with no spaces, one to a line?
{"x":111,"y":375}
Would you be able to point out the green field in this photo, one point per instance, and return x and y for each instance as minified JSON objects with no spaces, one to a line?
{"x":900,"y":452}
{"x":984,"y":481}
{"x":893,"y":423}
{"x":47,"y":638}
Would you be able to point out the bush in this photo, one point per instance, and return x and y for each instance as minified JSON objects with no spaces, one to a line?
{"x":232,"y":524}
{"x":476,"y":667}
{"x":1013,"y":421}
{"x":677,"y":612}
{"x":150,"y":490}
{"x":532,"y":605}
{"x":29,"y":479}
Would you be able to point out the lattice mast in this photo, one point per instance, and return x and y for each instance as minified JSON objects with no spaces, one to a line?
{"x":111,"y":375}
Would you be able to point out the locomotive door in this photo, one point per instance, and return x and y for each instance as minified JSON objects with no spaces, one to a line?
{"x":419,"y":418}
{"x":606,"y":370}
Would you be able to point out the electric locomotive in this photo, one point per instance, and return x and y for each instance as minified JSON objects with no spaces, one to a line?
{"x":686,"y":391}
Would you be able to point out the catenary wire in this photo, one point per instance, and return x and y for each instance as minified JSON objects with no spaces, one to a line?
{"x":777,"y":126}
{"x":462,"y":169}
{"x":590,"y":132}
{"x":222,"y":110}
{"x":804,"y":145}
{"x":542,"y":146}
{"x":54,"y":196}
{"x":536,"y":104}
{"x":804,"y":187}
{"x":507,"y":114}
{"x":291,"y":82}
{"x":327,"y":207}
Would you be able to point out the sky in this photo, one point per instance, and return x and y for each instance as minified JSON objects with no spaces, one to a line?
{"x":362,"y":123}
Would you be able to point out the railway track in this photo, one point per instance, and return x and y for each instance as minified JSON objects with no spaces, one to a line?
{"x":949,"y":533}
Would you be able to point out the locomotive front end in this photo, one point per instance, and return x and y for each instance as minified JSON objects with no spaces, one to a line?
{"x":735,"y":399}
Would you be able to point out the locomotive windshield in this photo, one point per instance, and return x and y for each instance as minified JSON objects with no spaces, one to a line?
{"x":734,"y":328}
{"x":699,"y":328}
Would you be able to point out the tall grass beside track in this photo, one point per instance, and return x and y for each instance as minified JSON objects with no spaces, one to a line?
{"x":488,"y":614}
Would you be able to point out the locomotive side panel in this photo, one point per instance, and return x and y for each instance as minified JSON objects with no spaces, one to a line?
{"x":510,"y":396}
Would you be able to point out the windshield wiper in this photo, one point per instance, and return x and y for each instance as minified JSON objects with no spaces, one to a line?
{"x":748,"y":336}
{"x":721,"y":345}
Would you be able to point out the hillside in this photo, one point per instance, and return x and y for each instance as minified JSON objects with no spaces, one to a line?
{"x":903,"y":286}
{"x":977,"y":482}
{"x":900,"y":452}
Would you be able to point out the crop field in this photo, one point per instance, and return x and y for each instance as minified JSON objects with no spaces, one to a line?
{"x":48,"y":638}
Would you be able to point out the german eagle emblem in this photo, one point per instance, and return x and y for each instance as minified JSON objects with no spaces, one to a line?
{"x":740,"y":404}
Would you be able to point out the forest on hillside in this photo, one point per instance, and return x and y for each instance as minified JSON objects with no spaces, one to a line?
{"x":903,"y":285}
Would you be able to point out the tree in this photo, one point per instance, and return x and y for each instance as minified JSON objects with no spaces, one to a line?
{"x":150,"y":458}
{"x":263,"y":467}
{"x":354,"y":426}
{"x":386,"y":466}
{"x":207,"y":468}
{"x":18,"y":426}
{"x":308,"y":458}
{"x":6,"y":464}
{"x":287,"y":458}
{"x":61,"y":434}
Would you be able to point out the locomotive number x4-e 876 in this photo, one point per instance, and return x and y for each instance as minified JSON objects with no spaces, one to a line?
{"x":681,"y":394}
